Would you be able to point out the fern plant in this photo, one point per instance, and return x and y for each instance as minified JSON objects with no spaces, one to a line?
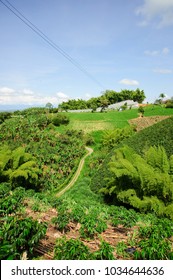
{"x":145,"y":183}
{"x":18,"y":167}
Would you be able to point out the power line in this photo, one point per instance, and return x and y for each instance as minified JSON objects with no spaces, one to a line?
{"x":35,"y":29}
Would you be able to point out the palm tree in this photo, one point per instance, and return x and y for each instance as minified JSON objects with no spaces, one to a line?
{"x":161,"y":97}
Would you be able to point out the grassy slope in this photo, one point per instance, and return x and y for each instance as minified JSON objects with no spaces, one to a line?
{"x":96,"y":123}
{"x":112,"y":119}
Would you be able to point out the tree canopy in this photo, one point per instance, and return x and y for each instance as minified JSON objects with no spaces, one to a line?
{"x":107,"y":97}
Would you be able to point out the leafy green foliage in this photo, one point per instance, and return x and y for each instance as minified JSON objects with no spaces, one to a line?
{"x":141,"y":110}
{"x":57,"y":155}
{"x":60,"y":119}
{"x":121,"y":216}
{"x":10,"y":200}
{"x":72,"y":249}
{"x":61,"y":222}
{"x":92,"y":222}
{"x":154,"y":241}
{"x":144,"y":183}
{"x":18,"y":167}
{"x":105,"y":252}
{"x":158,"y":134}
{"x":121,"y":249}
{"x":111,"y":138}
{"x":108,"y":97}
{"x":75,"y":249}
{"x":18,"y":234}
{"x":4,"y":116}
{"x":155,"y":135}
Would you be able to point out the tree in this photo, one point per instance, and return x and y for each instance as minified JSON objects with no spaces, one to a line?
{"x":93,"y":103}
{"x":162,"y":95}
{"x":141,"y":111}
{"x":103,"y":103}
{"x":139,"y":95}
{"x":64,"y":106}
{"x":49,"y":105}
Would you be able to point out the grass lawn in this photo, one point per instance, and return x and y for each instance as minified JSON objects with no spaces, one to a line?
{"x":96,"y":123}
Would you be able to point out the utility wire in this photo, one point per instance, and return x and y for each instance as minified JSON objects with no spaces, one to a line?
{"x":35,"y":29}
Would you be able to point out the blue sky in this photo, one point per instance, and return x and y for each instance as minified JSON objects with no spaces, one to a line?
{"x":122,"y":44}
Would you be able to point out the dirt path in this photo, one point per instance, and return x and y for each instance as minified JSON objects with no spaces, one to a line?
{"x":76,"y":175}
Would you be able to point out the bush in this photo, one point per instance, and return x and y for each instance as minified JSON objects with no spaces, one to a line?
{"x":10,"y":201}
{"x":111,"y":138}
{"x":18,"y":235}
{"x":60,"y":119}
{"x":105,"y":252}
{"x":154,"y":243}
{"x":4,"y":116}
{"x":141,"y":110}
{"x":72,"y":249}
{"x":169,"y":104}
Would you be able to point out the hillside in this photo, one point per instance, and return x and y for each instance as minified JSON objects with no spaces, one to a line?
{"x":160,"y":133}
{"x":40,"y":222}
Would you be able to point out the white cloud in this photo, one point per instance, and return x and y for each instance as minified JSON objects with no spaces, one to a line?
{"x":62,"y":97}
{"x":28,"y":97}
{"x":27,"y":92}
{"x":129,"y":82}
{"x":161,"y":10}
{"x":6,"y":90}
{"x":163,"y":71}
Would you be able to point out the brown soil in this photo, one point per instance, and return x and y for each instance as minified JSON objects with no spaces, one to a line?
{"x":45,"y":248}
{"x":143,"y":122}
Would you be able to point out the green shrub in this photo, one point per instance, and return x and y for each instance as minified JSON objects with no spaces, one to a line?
{"x":72,"y":249}
{"x":61,"y":222}
{"x":141,"y":110}
{"x":4,"y":116}
{"x":18,"y":234}
{"x":60,"y":119}
{"x":10,"y":201}
{"x":105,"y":252}
{"x":92,"y":223}
{"x":111,"y":138}
{"x":154,"y":241}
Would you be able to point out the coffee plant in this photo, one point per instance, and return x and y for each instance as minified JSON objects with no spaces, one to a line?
{"x":19,"y":234}
{"x":72,"y":249}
